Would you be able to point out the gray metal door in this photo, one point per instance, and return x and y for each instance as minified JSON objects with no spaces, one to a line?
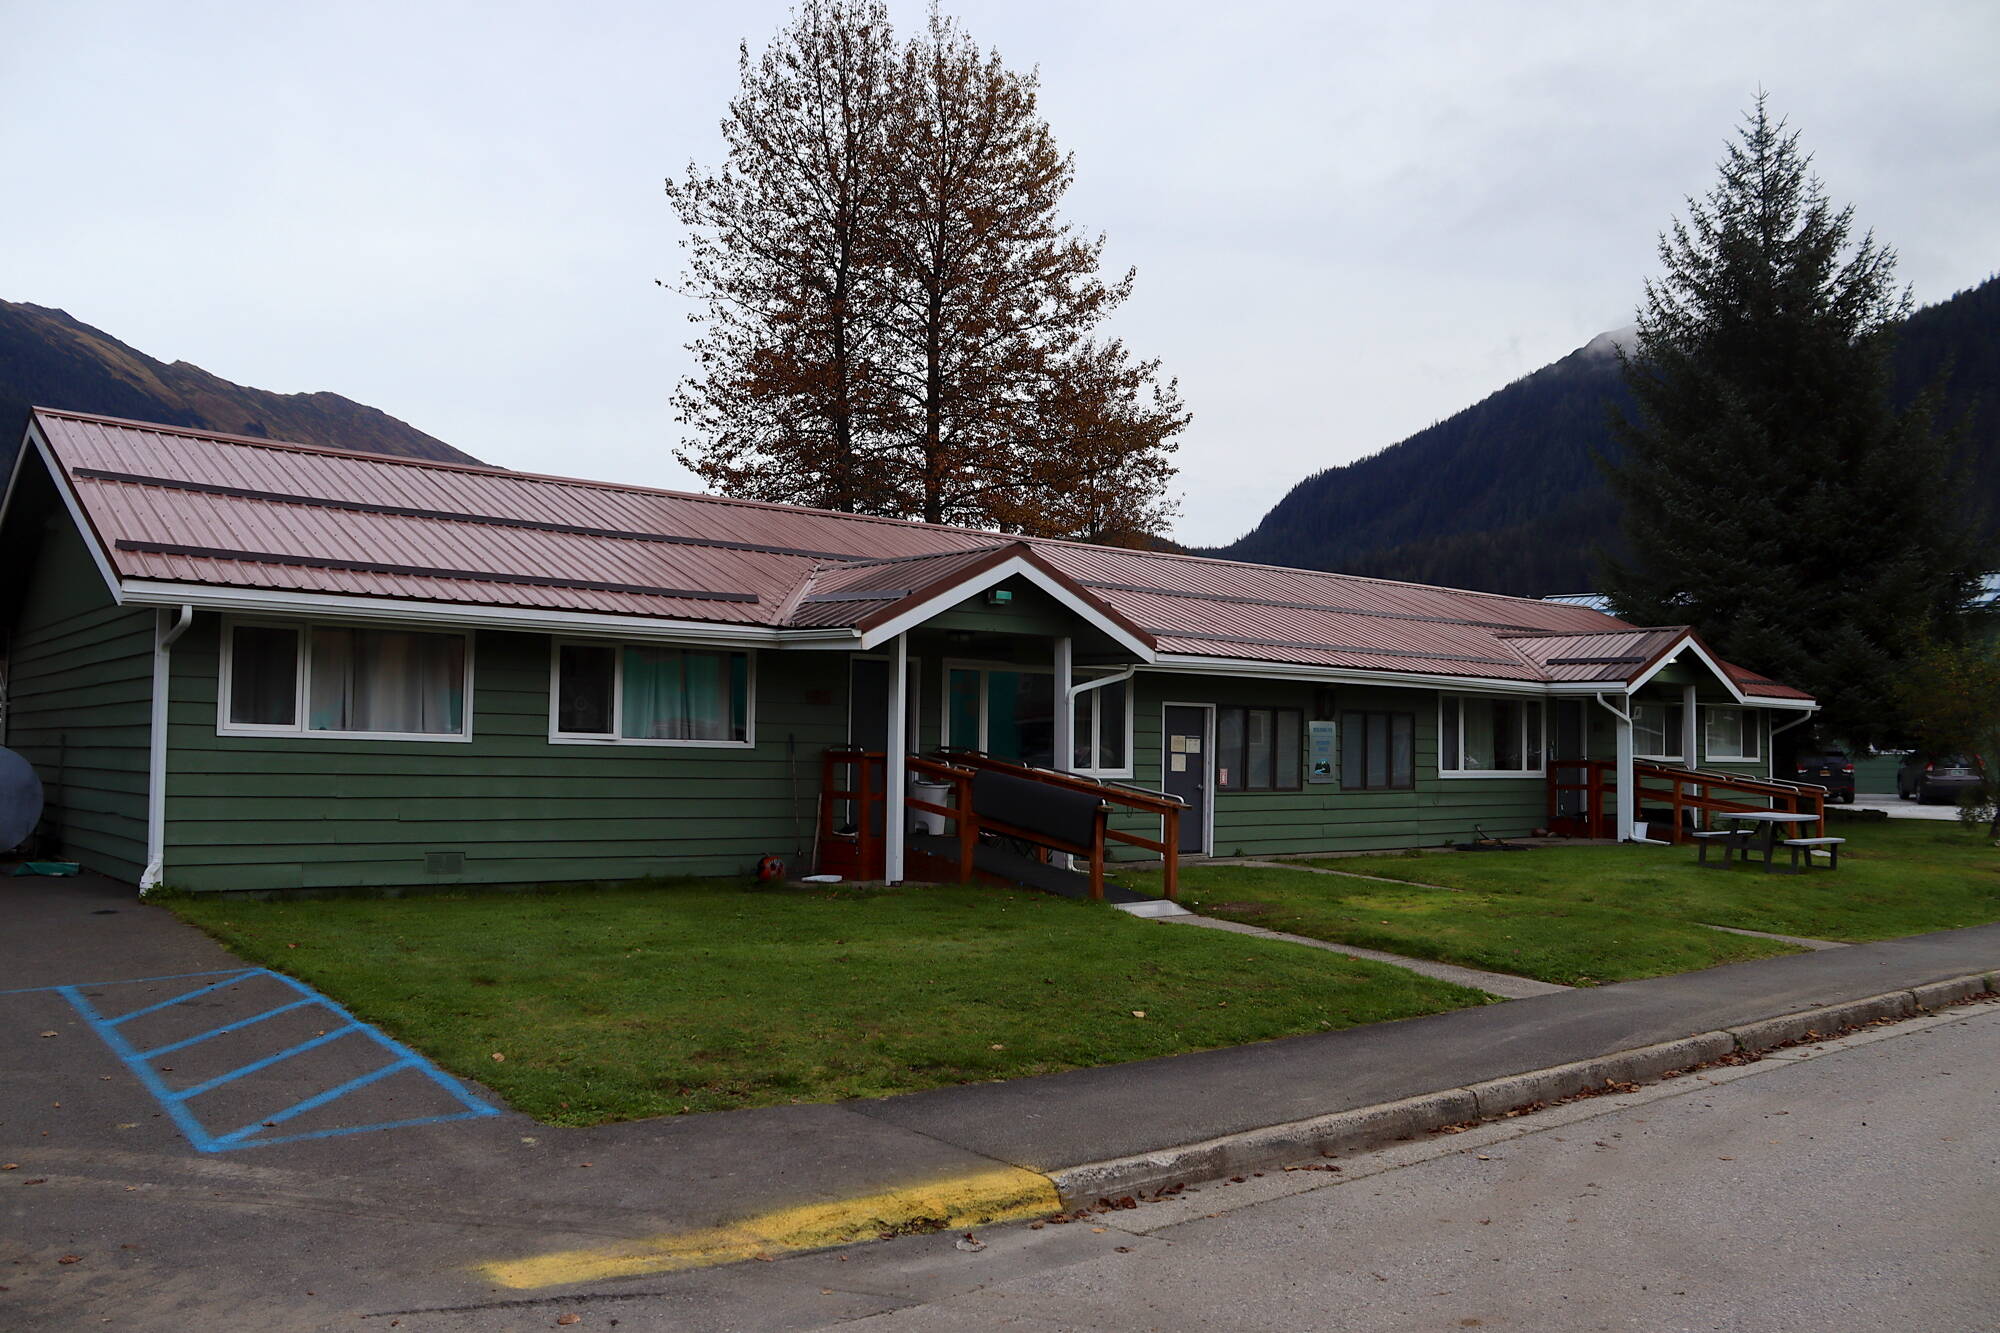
{"x":1185,"y":757}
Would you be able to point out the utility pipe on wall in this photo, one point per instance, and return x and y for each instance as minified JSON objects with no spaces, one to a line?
{"x":164,"y":638}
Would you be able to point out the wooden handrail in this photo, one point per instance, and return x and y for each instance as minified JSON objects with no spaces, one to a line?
{"x":1797,"y":797}
{"x":956,"y":769}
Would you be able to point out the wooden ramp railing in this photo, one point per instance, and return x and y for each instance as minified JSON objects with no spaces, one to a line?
{"x":1075,"y":817}
{"x":1665,"y":787}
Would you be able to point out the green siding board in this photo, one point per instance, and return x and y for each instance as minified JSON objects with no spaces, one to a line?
{"x":1323,"y":817}
{"x":80,"y":677}
{"x":319,"y":811}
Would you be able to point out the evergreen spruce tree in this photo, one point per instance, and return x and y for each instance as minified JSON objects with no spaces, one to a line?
{"x":1773,"y":496}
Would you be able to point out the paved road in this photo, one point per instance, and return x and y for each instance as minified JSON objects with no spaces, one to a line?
{"x":1850,"y":1191}
{"x":1898,"y":808}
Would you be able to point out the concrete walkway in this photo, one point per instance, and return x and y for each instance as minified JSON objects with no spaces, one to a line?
{"x":1897,"y":808}
{"x":1799,"y":940}
{"x":1344,"y":874}
{"x":1493,"y":983}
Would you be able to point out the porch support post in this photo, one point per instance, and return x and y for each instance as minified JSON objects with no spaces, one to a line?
{"x":1065,"y":704}
{"x":896,"y":765}
{"x":1064,"y":760}
{"x":1690,"y":728}
{"x":1690,"y":749}
{"x":1628,"y":783}
{"x":1628,"y":787}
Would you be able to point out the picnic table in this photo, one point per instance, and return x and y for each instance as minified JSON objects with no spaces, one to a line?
{"x":1757,"y":830}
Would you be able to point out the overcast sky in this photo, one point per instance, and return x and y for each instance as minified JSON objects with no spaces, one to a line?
{"x":1349,"y":220}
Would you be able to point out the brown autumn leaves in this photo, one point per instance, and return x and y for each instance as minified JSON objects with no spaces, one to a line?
{"x":895,"y":321}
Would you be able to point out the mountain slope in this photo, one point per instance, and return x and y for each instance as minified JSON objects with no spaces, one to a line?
{"x":1506,"y":496}
{"x":49,"y":359}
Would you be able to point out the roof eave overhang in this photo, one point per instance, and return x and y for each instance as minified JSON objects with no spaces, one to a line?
{"x":38,"y":443}
{"x":1016,"y":561}
{"x":1671,"y":652}
{"x":1198,"y":665}
{"x":285,"y":602}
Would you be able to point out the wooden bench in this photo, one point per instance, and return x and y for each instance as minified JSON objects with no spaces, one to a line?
{"x":1730,"y":840}
{"x":1831,"y":846}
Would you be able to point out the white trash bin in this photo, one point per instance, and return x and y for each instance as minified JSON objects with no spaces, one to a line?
{"x":937,"y":793}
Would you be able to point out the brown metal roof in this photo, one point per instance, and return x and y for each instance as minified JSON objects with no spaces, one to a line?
{"x":178,"y":505}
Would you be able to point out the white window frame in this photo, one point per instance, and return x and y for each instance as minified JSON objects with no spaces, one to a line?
{"x":618,"y":647}
{"x":302,"y":684}
{"x":1095,"y":715}
{"x":986,"y":668}
{"x":1456,"y":702}
{"x":1753,"y":733}
{"x":1676,"y":734}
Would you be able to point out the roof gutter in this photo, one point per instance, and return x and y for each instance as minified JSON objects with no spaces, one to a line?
{"x":164,"y":638}
{"x":1806,"y":716}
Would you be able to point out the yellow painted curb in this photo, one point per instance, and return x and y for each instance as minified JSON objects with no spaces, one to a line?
{"x":1005,"y":1194}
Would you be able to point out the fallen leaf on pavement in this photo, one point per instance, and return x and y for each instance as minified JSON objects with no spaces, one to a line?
{"x":70,"y":1259}
{"x":51,"y":1034}
{"x":970,"y":1243}
{"x":569,"y":1319}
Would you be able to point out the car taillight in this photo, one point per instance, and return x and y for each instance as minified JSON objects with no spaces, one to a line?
{"x":1847,"y":768}
{"x":1929,"y":764}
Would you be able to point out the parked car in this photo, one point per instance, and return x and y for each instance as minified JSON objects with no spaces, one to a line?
{"x":1831,"y":769}
{"x":1926,"y":777}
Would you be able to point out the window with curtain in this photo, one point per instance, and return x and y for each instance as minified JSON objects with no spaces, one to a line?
{"x":1259,"y":749}
{"x":636,"y":692}
{"x":1480,"y":734}
{"x":1730,"y":733}
{"x":353,"y":681}
{"x":1656,"y":730}
{"x":1378,"y":751}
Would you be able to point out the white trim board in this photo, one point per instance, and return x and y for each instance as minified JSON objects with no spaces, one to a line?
{"x":1012,"y":567}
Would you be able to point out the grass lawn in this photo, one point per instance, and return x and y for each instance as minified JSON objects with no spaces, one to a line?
{"x":613,"y":1004}
{"x":1585,"y":915}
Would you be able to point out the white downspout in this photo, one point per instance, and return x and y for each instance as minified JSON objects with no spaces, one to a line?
{"x":1627,"y":785}
{"x":1771,"y":750}
{"x":164,"y":637}
{"x":896,"y":768}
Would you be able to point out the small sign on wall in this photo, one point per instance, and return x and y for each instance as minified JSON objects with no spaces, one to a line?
{"x":1319,"y":752}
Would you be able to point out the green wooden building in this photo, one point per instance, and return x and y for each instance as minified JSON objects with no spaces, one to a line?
{"x":239,"y":664}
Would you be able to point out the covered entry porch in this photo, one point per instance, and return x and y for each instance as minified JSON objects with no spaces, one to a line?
{"x":993,"y":704}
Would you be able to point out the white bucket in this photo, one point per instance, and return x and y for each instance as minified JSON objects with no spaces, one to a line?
{"x":936,"y":793}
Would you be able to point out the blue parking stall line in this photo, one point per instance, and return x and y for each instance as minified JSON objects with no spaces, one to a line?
{"x":226,"y":982}
{"x":122,"y":981}
{"x":340,"y":1130}
{"x":475,"y":1105}
{"x":183,"y":1119}
{"x":313,"y":1103}
{"x":177,"y":1104}
{"x":237,"y":1026}
{"x":243,"y":1071}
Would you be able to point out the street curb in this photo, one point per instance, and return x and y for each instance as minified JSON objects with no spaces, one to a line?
{"x":1372,"y":1126}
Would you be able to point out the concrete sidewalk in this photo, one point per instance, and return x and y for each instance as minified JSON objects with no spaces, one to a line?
{"x":463,"y":1210}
